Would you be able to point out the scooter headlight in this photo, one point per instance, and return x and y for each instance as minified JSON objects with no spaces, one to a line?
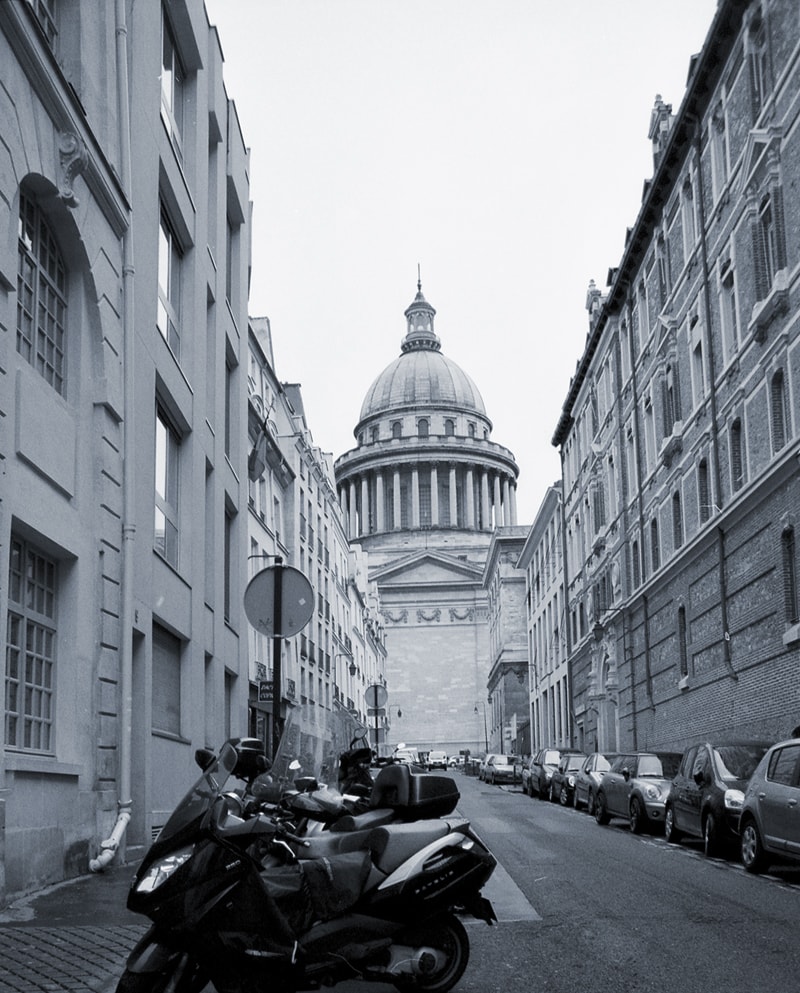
{"x":160,"y":871}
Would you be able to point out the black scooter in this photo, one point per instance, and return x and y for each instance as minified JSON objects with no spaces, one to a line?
{"x":239,"y":900}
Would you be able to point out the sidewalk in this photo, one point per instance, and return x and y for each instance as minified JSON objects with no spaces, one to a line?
{"x":73,"y":936}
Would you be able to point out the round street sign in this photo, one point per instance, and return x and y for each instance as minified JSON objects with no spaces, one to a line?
{"x":296,"y":601}
{"x":376,"y":696}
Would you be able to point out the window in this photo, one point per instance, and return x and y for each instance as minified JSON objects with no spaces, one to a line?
{"x":718,"y":132}
{"x":672,"y":403}
{"x":637,"y":568}
{"x":45,"y":11}
{"x":737,"y":460}
{"x":166,"y":681}
{"x":698,"y":370}
{"x":422,"y":427}
{"x":172,"y":80}
{"x":778,"y":411}
{"x":789,"y":557}
{"x":688,"y":217}
{"x":728,"y":314}
{"x":167,"y":458}
{"x":769,"y":249}
{"x":677,"y":521}
{"x":449,"y":428}
{"x":30,"y":648}
{"x":683,"y":647}
{"x":397,"y":430}
{"x":169,"y":285}
{"x":703,"y":494}
{"x":757,"y":60}
{"x":41,"y":296}
{"x":662,"y":264}
{"x":655,"y":545}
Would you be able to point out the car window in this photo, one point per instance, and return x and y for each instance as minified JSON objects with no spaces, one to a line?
{"x":574,"y":762}
{"x":622,"y":762}
{"x":601,"y":763}
{"x":657,"y":766}
{"x":550,"y":757}
{"x":738,"y":761}
{"x":782,"y":764}
{"x":687,"y":763}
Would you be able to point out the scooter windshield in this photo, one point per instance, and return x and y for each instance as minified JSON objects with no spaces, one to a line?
{"x":311,"y":746}
{"x":200,"y":798}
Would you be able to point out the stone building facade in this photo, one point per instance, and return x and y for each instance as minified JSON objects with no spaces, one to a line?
{"x":680,"y":433}
{"x":422,"y":492}
{"x":123,"y":341}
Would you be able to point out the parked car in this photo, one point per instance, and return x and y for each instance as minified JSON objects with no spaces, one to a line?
{"x":562,"y":782}
{"x":636,"y":787}
{"x":769,"y":827}
{"x":587,"y":779}
{"x":437,"y":760}
{"x":538,"y":770}
{"x":707,"y":794}
{"x":484,"y":763}
{"x":502,"y":769}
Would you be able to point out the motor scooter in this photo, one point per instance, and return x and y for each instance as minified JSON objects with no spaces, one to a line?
{"x":240,"y":900}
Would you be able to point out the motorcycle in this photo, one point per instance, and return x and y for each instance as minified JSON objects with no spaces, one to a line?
{"x":277,"y":884}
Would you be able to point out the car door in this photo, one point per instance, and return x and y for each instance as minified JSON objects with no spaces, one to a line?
{"x":698,"y":773}
{"x":615,"y":785}
{"x":778,"y":801}
{"x":677,"y":793}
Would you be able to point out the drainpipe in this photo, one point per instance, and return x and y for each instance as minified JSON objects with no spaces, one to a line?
{"x":109,"y":846}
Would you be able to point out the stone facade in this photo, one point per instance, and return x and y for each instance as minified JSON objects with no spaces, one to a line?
{"x":680,"y":434}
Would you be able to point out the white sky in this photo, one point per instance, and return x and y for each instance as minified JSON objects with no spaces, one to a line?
{"x":500,"y":144}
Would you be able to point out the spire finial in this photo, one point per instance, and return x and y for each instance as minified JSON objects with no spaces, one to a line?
{"x":419,"y":279}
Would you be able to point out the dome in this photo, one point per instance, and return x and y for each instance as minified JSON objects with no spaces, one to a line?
{"x":421,"y":376}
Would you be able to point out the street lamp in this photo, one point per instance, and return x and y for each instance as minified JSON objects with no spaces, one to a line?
{"x":485,"y":731}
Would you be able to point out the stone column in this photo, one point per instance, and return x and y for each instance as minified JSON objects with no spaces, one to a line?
{"x":353,"y":520}
{"x":397,"y":511}
{"x":506,"y":502}
{"x":513,"y":503}
{"x":453,"y":498}
{"x":415,"y":498}
{"x":498,"y":513}
{"x":380,"y":523}
{"x":365,"y":504}
{"x":486,"y":512}
{"x":434,"y":496}
{"x":469,"y":486}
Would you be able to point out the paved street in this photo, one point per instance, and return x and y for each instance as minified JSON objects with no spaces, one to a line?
{"x":580,"y":907}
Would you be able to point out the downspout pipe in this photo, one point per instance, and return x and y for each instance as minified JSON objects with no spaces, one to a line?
{"x":111,"y":845}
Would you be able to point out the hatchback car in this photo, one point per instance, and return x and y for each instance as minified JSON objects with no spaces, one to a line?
{"x":707,"y":793}
{"x":587,"y":779}
{"x":770,"y":823}
{"x":562,"y":782}
{"x":636,"y":787}
{"x":538,"y":771}
{"x":502,"y":769}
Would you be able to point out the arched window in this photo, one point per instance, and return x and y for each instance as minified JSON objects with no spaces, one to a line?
{"x":683,"y":646}
{"x":778,"y":411}
{"x":677,"y":520}
{"x":703,"y":494}
{"x":397,"y":429}
{"x":790,"y":596}
{"x":655,"y":545}
{"x":41,"y":296}
{"x":449,"y":427}
{"x":422,"y":427}
{"x":737,"y":461}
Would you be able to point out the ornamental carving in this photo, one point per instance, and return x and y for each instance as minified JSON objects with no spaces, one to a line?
{"x":462,"y":615}
{"x":72,"y":160}
{"x":429,"y":616}
{"x":401,"y":617}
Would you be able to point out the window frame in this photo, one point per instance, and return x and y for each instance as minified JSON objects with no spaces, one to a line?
{"x":167,"y":504}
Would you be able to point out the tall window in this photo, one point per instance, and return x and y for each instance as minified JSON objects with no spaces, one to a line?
{"x":167,"y":457}
{"x":683,"y":646}
{"x":703,"y":492}
{"x":172,"y":84}
{"x":637,"y":568}
{"x":790,"y":589}
{"x":688,"y":217}
{"x":677,"y":521}
{"x":662,"y":263}
{"x":737,"y":459}
{"x":30,"y":648}
{"x":166,"y":681}
{"x":698,"y":370}
{"x":41,"y":296}
{"x":449,"y":428}
{"x":422,"y":427}
{"x":672,"y":402}
{"x":778,"y":411}
{"x":719,"y":150}
{"x":728,"y":313}
{"x":169,"y":285}
{"x":655,"y":545}
{"x":45,"y":11}
{"x":757,"y":59}
{"x":397,"y":430}
{"x":769,"y":249}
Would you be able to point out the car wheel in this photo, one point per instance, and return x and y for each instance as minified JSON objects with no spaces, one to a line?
{"x":754,"y":858}
{"x":711,"y":838}
{"x":591,"y":803}
{"x":601,"y":814}
{"x":671,"y":833}
{"x":638,"y":818}
{"x":563,"y":796}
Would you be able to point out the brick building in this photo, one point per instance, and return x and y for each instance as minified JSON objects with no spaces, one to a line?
{"x":680,"y":433}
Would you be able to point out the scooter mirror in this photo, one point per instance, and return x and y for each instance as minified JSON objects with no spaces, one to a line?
{"x":204,"y":757}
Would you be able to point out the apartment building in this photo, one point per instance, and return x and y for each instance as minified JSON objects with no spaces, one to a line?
{"x":680,"y":433}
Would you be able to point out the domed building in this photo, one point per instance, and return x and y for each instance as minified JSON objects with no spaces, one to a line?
{"x":422,"y":492}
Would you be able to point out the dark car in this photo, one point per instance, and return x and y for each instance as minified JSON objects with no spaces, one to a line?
{"x":636,"y":787}
{"x":770,"y":824}
{"x":562,"y":782}
{"x":587,"y":781}
{"x":707,"y":794}
{"x":538,"y":770}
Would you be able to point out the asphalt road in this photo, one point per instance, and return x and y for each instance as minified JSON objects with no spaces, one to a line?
{"x":619,"y":913}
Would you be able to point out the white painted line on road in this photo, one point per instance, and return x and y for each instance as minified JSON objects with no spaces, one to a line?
{"x":508,"y":900}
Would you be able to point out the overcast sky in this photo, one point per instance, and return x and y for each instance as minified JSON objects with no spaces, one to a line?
{"x":499,"y":144}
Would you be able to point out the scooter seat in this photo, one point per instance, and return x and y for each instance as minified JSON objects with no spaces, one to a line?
{"x":392,"y":844}
{"x":360,"y":822}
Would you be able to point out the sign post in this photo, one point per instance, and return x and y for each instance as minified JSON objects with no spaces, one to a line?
{"x":376,"y":697}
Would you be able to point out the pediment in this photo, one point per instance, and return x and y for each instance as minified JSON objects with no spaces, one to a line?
{"x":427,"y":568}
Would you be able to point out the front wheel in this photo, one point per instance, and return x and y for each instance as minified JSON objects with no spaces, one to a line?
{"x":753,"y":856}
{"x":449,"y":938}
{"x":563,"y":796}
{"x":638,"y":818}
{"x":712,"y":843}
{"x":601,"y":814}
{"x":671,"y":833}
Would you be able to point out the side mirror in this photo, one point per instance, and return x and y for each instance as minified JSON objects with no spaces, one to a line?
{"x":204,"y":757}
{"x":306,"y":784}
{"x":626,"y":775}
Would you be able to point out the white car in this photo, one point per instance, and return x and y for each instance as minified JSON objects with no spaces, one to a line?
{"x":437,"y":760}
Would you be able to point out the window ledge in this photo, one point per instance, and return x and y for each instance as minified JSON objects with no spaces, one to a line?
{"x":792,"y":635}
{"x":774,"y":305}
{"x":44,"y":764}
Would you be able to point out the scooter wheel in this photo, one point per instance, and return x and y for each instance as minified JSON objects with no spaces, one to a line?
{"x":448,"y":936}
{"x":157,"y":982}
